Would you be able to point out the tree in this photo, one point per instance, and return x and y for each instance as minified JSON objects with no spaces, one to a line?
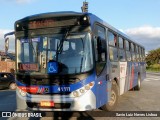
{"x":153,"y":57}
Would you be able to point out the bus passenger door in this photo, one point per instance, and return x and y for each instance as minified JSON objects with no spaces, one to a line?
{"x":101,"y":63}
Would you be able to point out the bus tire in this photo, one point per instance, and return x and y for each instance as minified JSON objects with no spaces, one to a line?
{"x":138,"y":86}
{"x":112,"y":103}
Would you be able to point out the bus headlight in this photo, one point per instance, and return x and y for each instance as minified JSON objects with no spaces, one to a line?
{"x":83,"y":90}
{"x":75,"y":93}
{"x":23,"y":93}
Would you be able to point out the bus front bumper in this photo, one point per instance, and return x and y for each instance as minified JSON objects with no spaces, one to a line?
{"x":64,"y":102}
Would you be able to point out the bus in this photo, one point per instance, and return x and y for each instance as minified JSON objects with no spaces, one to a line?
{"x":71,"y":61}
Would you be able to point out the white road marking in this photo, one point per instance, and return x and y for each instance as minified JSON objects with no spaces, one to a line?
{"x":152,"y":78}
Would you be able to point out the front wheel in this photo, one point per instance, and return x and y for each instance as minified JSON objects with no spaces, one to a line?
{"x":113,"y":99}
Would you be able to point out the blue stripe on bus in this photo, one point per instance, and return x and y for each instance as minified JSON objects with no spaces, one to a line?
{"x":58,"y":89}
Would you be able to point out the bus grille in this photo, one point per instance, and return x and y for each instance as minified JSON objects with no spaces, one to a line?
{"x":61,"y":93}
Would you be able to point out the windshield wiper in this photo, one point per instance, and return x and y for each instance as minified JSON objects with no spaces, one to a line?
{"x":33,"y":47}
{"x":60,"y":46}
{"x":31,"y":43}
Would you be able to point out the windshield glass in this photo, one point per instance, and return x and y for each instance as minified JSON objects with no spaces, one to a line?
{"x":71,"y":53}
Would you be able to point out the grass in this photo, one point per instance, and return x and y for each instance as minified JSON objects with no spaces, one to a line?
{"x":153,"y":68}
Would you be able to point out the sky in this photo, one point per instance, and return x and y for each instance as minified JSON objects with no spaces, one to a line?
{"x":139,"y":19}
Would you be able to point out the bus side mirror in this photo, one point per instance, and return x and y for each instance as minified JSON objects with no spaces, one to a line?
{"x":6,"y":44}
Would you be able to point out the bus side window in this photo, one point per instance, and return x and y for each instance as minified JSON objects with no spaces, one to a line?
{"x":128,"y":54}
{"x":122,"y":54}
{"x":113,"y":53}
{"x":112,"y":39}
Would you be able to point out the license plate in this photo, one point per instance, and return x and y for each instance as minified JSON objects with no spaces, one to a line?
{"x":47,"y":103}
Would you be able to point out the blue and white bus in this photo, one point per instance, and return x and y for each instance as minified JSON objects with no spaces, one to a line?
{"x":70,"y":61}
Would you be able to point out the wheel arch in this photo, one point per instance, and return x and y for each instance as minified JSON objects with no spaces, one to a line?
{"x":118,"y":84}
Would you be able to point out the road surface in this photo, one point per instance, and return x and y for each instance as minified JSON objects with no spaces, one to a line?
{"x":147,"y":99}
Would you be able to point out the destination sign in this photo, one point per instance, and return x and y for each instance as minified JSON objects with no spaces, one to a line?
{"x":28,"y":67}
{"x":51,"y":23}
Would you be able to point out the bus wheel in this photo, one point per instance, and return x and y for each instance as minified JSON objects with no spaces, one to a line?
{"x":12,"y":86}
{"x":113,"y":99}
{"x":138,"y":86}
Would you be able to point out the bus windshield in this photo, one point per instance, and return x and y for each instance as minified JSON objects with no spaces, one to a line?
{"x":72,"y":52}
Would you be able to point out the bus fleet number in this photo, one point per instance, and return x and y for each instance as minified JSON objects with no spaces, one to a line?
{"x":64,"y":89}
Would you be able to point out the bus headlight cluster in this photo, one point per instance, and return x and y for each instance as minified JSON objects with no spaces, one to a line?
{"x":76,"y":93}
{"x":23,"y":93}
{"x":83,"y":90}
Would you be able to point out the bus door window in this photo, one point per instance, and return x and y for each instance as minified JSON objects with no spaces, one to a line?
{"x":113,"y":54}
{"x":100,"y":49}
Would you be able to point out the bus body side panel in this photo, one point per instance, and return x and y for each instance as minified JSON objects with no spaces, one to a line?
{"x":123,"y":75}
{"x":142,"y":70}
{"x":128,"y":74}
{"x":134,"y":73}
{"x":131,"y":76}
{"x":114,"y":71}
{"x":103,"y":88}
{"x":103,"y":85}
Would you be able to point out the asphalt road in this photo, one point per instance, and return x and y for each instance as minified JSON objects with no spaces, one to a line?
{"x":147,"y":99}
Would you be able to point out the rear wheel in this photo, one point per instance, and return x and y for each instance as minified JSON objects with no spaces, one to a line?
{"x":113,"y":99}
{"x":12,"y":86}
{"x":138,"y":86}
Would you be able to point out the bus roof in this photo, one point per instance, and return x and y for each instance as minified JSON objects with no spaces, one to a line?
{"x":52,"y":14}
{"x":93,"y":19}
{"x":97,"y":19}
